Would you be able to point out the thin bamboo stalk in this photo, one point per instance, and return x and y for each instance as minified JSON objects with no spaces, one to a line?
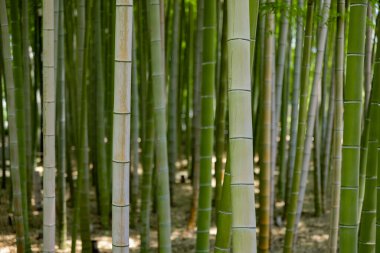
{"x":61,"y":131}
{"x":159,"y":102}
{"x":207,"y":126}
{"x":266,"y":140}
{"x":49,"y":127}
{"x":338,"y":129}
{"x":13,"y":139}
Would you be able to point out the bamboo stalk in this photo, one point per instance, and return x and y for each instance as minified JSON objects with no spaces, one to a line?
{"x":121,"y":126}
{"x":13,"y":139}
{"x":240,"y":128}
{"x":49,"y":127}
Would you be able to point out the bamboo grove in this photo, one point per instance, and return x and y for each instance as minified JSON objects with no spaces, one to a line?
{"x":190,"y":126}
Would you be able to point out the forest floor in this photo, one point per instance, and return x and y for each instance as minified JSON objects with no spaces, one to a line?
{"x":312,"y":238}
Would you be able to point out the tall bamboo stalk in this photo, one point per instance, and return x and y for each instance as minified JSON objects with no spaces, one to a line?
{"x":49,"y":126}
{"x":61,"y":131}
{"x":295,"y":102}
{"x":352,"y":127}
{"x":121,"y":126}
{"x":13,"y":140}
{"x":338,"y":129}
{"x":240,"y":123}
{"x":101,"y":152}
{"x":266,"y":160}
{"x":159,"y":102}
{"x":367,"y":230}
{"x":196,"y":124}
{"x":207,"y":126}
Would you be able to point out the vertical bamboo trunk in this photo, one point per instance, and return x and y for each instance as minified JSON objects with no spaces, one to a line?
{"x":101,"y":155}
{"x":338,"y":129}
{"x":196,"y":124}
{"x":295,"y":101}
{"x":240,"y":123}
{"x":352,"y":127}
{"x":27,"y":105}
{"x":376,"y":82}
{"x":317,"y":166}
{"x":134,"y":132}
{"x":159,"y":102}
{"x":207,"y":126}
{"x":13,"y":140}
{"x":367,"y":230}
{"x":121,"y":126}
{"x":20,"y":110}
{"x":173,"y":90}
{"x":49,"y":127}
{"x":61,"y":130}
{"x":266,"y":160}
{"x":220,"y":114}
{"x":148,"y":137}
{"x":147,"y":160}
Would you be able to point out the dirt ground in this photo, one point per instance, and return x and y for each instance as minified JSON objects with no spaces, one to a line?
{"x":313,"y":232}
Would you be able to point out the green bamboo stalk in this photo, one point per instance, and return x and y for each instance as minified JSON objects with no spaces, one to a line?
{"x":20,"y":112}
{"x":338,"y":128}
{"x":61,"y":132}
{"x":240,"y":128}
{"x":147,"y":131}
{"x":101,"y":155}
{"x":220,"y":114}
{"x":2,"y":126}
{"x":375,"y":83}
{"x":348,"y":223}
{"x":134,"y":132}
{"x":173,"y":90}
{"x":207,"y":126}
{"x":284,"y":125}
{"x":291,"y":209}
{"x":367,"y":229}
{"x":266,"y":138}
{"x":224,"y":217}
{"x":295,"y":102}
{"x":328,"y":142}
{"x":27,"y":95}
{"x":83,"y":182}
{"x":317,"y":167}
{"x":280,"y":64}
{"x":196,"y":124}
{"x":159,"y":101}
{"x":147,"y":160}
{"x":13,"y":138}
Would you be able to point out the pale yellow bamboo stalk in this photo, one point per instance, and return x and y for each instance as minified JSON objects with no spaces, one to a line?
{"x":121,"y":126}
{"x":48,"y":126}
{"x":240,"y":132}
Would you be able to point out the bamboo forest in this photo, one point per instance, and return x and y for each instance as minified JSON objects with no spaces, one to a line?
{"x":179,"y":126}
